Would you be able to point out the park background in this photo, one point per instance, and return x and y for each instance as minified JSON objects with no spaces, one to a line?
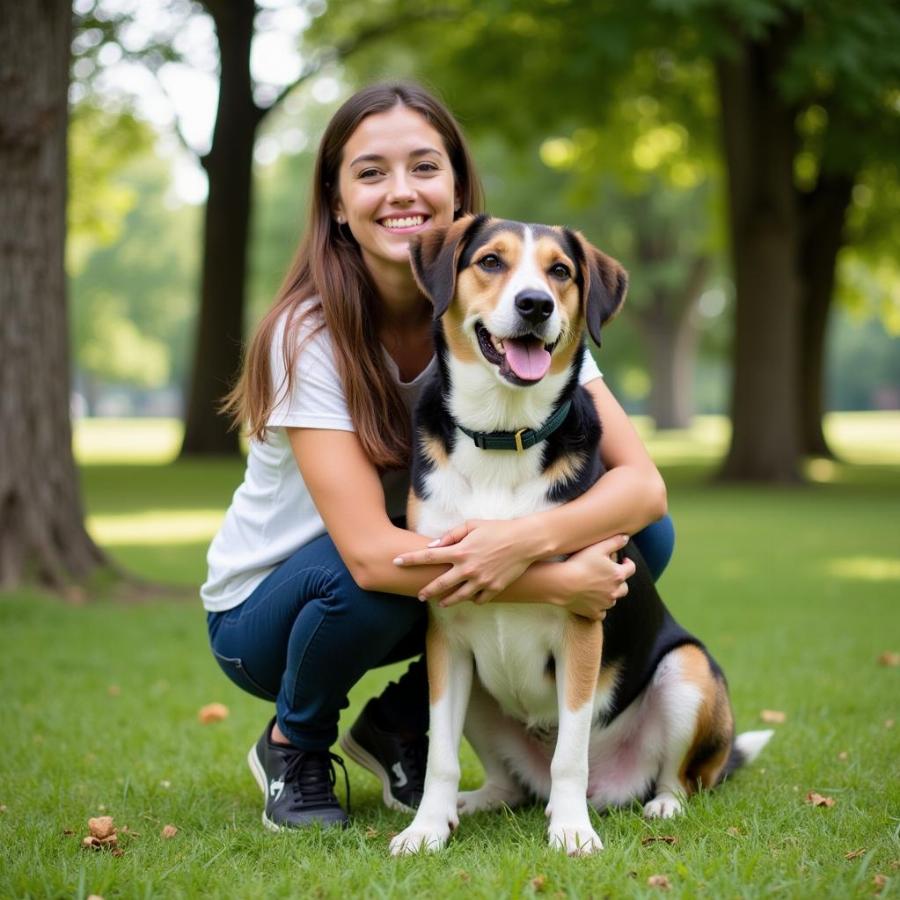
{"x":739,"y":157}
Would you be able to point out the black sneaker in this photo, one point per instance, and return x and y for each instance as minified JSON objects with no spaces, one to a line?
{"x":397,"y":759}
{"x":298,"y":784}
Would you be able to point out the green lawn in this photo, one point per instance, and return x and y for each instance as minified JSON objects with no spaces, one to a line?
{"x":797,"y":593}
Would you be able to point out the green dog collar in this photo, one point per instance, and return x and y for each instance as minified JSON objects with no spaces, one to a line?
{"x":519,"y":440}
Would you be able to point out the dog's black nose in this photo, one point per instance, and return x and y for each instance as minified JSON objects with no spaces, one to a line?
{"x":534,"y":306}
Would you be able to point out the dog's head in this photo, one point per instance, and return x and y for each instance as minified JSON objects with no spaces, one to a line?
{"x":516,"y":297}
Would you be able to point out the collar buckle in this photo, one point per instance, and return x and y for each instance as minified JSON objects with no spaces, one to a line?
{"x":518,"y":438}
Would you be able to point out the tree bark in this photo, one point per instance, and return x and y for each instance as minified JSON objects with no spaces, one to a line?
{"x":229,"y":166}
{"x":42,"y":534}
{"x":759,"y":144}
{"x":823,"y":214}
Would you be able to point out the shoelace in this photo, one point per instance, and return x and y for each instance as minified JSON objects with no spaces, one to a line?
{"x":312,"y":776}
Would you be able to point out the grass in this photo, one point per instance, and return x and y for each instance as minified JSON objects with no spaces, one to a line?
{"x":795,"y":591}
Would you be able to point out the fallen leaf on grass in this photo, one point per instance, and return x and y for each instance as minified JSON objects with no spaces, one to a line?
{"x":101,"y":827}
{"x":878,"y":882}
{"x":372,"y":832}
{"x":539,"y":882}
{"x":818,"y":800}
{"x":773,"y":716}
{"x":855,"y":854}
{"x":889,"y":658}
{"x":2,"y":807}
{"x":888,"y":723}
{"x":462,"y":875}
{"x":169,"y":831}
{"x":658,"y":839}
{"x":114,"y":690}
{"x":94,"y":897}
{"x":212,"y":712}
{"x":68,"y":832}
{"x":118,"y":851}
{"x":843,"y":756}
{"x":734,"y":832}
{"x":659,"y":881}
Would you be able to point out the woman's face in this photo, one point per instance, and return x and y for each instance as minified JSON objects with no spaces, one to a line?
{"x":395,"y":181}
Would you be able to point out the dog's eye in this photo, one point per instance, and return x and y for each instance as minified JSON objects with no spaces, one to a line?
{"x":560,"y":271}
{"x":490,"y":263}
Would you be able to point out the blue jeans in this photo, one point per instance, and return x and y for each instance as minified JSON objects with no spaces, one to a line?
{"x":308,"y":633}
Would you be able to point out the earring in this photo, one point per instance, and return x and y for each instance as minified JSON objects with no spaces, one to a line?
{"x":340,"y":220}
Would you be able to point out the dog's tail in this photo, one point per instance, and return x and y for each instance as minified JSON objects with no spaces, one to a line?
{"x":745,"y":748}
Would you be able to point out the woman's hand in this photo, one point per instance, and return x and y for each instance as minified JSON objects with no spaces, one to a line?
{"x":595,"y":580}
{"x":485,"y":557}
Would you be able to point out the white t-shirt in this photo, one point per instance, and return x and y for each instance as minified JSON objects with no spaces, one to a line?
{"x":272,"y":513}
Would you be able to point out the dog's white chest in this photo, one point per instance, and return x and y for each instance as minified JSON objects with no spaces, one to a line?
{"x":511,"y":643}
{"x":482,"y":484}
{"x":511,"y":646}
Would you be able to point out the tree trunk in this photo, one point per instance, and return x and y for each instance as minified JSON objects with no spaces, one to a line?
{"x":42,"y":534}
{"x":759,"y":143}
{"x":229,"y":166}
{"x":673,"y":349}
{"x":670,"y":330}
{"x":823,"y":213}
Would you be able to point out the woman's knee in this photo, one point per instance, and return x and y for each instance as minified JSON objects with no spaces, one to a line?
{"x":386,"y":613}
{"x":656,"y":543}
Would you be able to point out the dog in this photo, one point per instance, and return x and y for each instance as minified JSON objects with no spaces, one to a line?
{"x":571,"y":711}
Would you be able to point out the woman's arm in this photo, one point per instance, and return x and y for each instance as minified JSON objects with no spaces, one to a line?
{"x":630,"y":496}
{"x":348,"y":494}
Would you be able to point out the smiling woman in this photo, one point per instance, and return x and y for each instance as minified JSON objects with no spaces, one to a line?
{"x":304,"y":594}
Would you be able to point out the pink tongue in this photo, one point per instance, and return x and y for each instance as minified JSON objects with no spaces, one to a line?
{"x":527,"y":358}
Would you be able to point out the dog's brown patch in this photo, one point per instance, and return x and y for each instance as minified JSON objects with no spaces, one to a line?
{"x":564,"y":469}
{"x":548,"y":252}
{"x":583,"y":647}
{"x":437,"y":654}
{"x":459,"y":344}
{"x":714,"y":728}
{"x":433,"y":450}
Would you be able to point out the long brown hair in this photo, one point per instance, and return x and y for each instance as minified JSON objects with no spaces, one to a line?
{"x":328,"y":274}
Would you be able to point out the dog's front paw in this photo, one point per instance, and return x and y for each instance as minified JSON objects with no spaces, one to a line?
{"x":663,"y":806}
{"x":576,"y":840}
{"x":489,"y":797}
{"x":427,"y":836}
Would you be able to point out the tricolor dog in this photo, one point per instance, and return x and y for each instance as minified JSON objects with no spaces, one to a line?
{"x":571,"y":711}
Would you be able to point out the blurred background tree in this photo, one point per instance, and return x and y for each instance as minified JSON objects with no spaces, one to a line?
{"x":602,"y":117}
{"x":806,"y":99}
{"x":42,"y":533}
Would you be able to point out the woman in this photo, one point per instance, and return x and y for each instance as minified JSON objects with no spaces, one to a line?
{"x":313,"y":579}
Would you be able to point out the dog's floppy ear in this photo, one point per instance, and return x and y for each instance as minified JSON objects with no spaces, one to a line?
{"x":603,"y":285}
{"x":435,"y":256}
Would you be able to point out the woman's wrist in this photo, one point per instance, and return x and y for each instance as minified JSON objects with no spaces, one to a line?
{"x":535,"y":540}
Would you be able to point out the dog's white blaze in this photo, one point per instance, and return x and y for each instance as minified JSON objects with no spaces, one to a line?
{"x":527,"y":275}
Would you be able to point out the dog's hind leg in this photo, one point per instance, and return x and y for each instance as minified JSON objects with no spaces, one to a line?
{"x":487,"y":729}
{"x":697,"y":728}
{"x":577,"y":670}
{"x":449,"y":680}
